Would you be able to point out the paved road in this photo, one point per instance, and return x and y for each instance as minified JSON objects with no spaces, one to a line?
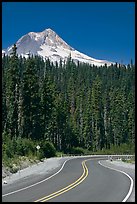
{"x":80,"y":180}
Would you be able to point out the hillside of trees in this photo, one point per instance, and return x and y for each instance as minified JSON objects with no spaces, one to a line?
{"x":65,"y":107}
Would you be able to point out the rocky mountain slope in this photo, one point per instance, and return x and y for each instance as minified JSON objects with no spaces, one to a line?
{"x":49,"y":45}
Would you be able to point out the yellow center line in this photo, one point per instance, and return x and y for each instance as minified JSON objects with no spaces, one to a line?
{"x":69,"y":187}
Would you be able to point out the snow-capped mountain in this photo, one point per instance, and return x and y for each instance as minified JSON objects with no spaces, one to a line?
{"x":49,"y":45}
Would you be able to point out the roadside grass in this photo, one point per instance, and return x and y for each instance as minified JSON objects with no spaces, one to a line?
{"x":15,"y":162}
{"x":130,"y":160}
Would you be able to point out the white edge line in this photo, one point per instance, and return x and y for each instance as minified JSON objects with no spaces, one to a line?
{"x":21,"y":189}
{"x":131,"y":185}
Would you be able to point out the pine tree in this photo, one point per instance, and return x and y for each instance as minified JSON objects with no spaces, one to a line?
{"x":47,"y":106}
{"x":12,"y":94}
{"x":87,"y":132}
{"x":31,"y":101}
{"x":97,"y":115}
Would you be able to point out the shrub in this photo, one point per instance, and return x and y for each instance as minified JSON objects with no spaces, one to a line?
{"x":48,"y":149}
{"x":25,"y":146}
{"x":77,"y":150}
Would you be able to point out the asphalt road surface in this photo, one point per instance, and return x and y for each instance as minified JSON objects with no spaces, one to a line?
{"x":77,"y":180}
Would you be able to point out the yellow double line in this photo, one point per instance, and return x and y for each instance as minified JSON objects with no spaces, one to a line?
{"x":69,"y":187}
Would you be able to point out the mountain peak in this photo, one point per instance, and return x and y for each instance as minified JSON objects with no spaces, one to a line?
{"x":48,"y":44}
{"x":48,"y":37}
{"x":50,"y":30}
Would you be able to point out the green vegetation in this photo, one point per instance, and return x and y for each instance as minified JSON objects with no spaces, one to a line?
{"x":129,"y":160}
{"x":66,"y":108}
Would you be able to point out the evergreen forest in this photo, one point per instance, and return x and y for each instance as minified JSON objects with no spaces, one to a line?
{"x":66,"y":107}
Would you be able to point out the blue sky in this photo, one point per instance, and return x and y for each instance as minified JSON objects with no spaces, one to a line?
{"x":103,"y":30}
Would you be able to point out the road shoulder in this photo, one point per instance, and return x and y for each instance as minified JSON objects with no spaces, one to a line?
{"x":125,"y":167}
{"x":41,"y":168}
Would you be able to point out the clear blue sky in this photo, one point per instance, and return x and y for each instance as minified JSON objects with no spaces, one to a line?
{"x":103,"y":30}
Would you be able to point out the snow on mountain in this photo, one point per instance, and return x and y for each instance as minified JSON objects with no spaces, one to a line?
{"x":3,"y":51}
{"x":49,"y":45}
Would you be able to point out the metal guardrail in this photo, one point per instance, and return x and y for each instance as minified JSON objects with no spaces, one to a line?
{"x":109,"y":157}
{"x":127,"y":157}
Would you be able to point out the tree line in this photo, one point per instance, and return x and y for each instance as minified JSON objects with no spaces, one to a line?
{"x":66,"y":105}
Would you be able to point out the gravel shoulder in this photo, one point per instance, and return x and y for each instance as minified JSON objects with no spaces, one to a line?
{"x":40,"y":168}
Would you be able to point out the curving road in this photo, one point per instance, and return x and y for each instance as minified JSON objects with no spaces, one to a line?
{"x":80,"y":179}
